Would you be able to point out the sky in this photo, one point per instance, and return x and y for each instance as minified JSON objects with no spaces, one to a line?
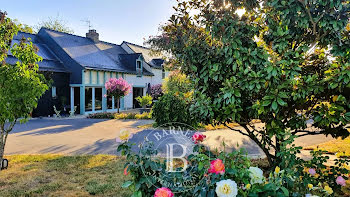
{"x":115,"y":20}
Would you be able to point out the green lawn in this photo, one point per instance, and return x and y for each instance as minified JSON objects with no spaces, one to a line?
{"x":55,"y":175}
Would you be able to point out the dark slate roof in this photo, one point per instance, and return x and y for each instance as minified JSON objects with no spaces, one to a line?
{"x":99,"y":56}
{"x":129,"y":62}
{"x":50,"y":61}
{"x":156,"y":63}
{"x":154,"y":60}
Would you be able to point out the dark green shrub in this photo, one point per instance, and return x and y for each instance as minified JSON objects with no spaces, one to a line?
{"x":173,"y":108}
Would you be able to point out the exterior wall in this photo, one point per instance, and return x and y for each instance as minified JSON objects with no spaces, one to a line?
{"x":61,"y":101}
{"x":140,"y":82}
{"x":157,"y":78}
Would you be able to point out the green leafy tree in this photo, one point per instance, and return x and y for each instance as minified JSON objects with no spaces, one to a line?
{"x":56,"y":24}
{"x":20,"y":85}
{"x":283,"y":62}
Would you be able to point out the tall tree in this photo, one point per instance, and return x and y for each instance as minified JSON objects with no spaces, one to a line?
{"x":20,"y":84}
{"x":56,"y":24}
{"x":283,"y":62}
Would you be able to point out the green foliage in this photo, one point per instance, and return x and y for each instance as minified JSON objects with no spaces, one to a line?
{"x":283,"y":62}
{"x":120,"y":116}
{"x":173,"y":108}
{"x":20,"y":85}
{"x":144,"y":100}
{"x":23,"y":27}
{"x":54,"y":23}
{"x":177,"y":82}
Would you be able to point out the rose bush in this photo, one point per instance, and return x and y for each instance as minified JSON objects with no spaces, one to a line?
{"x":231,"y":174}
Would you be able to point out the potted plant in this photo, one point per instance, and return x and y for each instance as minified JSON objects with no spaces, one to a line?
{"x":144,"y":101}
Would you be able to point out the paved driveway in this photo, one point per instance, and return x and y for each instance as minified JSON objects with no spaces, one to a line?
{"x":68,"y":136}
{"x":90,"y":136}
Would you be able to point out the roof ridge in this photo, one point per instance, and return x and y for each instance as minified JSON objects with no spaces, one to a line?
{"x":79,"y":36}
{"x":26,"y":33}
{"x":136,"y":45}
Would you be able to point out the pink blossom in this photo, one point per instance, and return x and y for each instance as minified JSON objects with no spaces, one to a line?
{"x":341,"y":181}
{"x":163,"y":192}
{"x":217,"y":167}
{"x":117,"y":87}
{"x":312,"y":171}
{"x":198,"y":137}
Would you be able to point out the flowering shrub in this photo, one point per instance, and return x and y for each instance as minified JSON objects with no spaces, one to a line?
{"x":117,"y":88}
{"x":156,"y":91}
{"x":232,"y":174}
{"x":118,"y":116}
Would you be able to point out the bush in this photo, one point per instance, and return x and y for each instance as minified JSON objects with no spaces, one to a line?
{"x":172,"y":108}
{"x":105,"y":115}
{"x":120,"y":116}
{"x":125,"y":116}
{"x":177,"y":82}
{"x":144,"y":100}
{"x":144,"y":115}
{"x":156,"y":91}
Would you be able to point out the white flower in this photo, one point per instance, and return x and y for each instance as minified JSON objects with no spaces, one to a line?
{"x":256,"y":175}
{"x":226,"y":188}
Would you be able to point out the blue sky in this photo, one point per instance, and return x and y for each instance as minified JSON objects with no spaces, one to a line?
{"x":114,"y":20}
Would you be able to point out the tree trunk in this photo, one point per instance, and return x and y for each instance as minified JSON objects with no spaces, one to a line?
{"x":118,"y":101}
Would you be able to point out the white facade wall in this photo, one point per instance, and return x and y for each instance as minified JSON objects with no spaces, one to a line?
{"x":134,"y":81}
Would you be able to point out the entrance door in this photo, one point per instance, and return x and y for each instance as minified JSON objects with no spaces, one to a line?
{"x":136,"y":92}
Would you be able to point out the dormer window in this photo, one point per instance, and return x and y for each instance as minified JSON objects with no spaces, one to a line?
{"x":139,"y":68}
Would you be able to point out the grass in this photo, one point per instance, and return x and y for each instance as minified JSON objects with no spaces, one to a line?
{"x":55,"y":175}
{"x":339,"y":147}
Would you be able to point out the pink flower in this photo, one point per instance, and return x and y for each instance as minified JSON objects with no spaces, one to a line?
{"x":163,"y":192}
{"x":312,"y":171}
{"x":341,"y":181}
{"x":217,"y":167}
{"x":198,"y":137}
{"x":126,"y":173}
{"x":117,"y":87}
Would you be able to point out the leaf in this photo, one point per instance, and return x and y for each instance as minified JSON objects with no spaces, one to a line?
{"x":285,"y":191}
{"x":127,"y":184}
{"x":274,"y":105}
{"x":281,"y":102}
{"x":200,"y":166}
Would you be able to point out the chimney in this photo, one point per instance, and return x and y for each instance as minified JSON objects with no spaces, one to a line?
{"x":93,"y":35}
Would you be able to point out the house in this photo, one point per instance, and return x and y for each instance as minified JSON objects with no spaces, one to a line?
{"x":80,"y":66}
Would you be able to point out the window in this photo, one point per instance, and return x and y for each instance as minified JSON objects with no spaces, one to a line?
{"x":163,"y":72}
{"x":88,"y":99}
{"x":98,"y":99}
{"x":139,"y":68}
{"x":54,"y":93}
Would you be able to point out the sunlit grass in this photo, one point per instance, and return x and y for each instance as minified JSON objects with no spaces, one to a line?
{"x":339,"y":147}
{"x":55,"y":175}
